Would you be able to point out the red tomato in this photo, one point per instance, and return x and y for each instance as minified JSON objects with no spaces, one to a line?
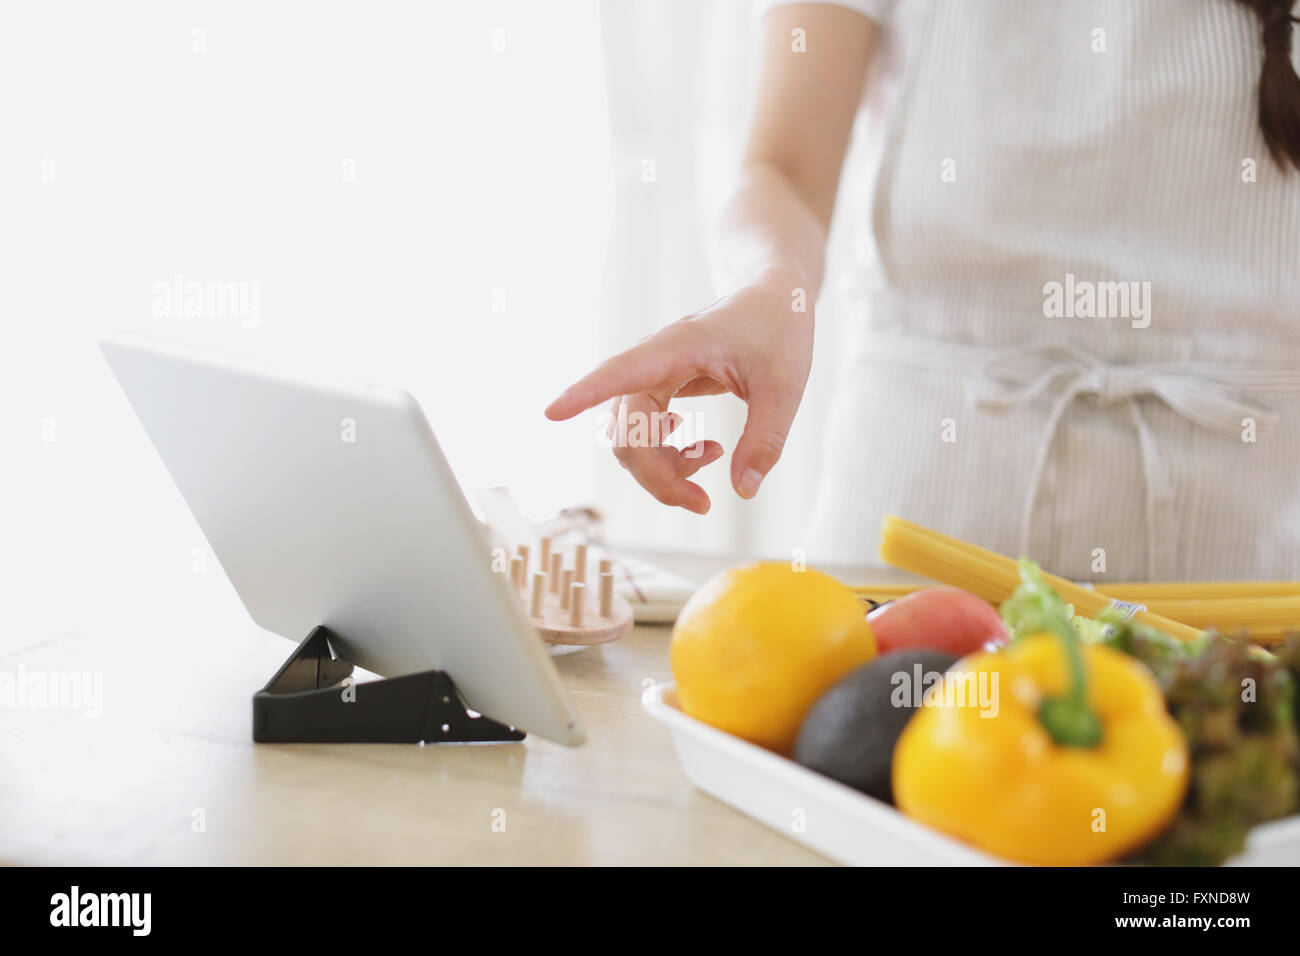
{"x":944,"y":619}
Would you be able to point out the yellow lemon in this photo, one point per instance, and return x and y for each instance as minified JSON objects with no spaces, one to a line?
{"x":756,"y":646}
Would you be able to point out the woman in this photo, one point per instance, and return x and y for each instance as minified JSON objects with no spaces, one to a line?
{"x":1086,"y":343}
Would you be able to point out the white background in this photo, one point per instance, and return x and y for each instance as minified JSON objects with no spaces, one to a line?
{"x":475,"y":171}
{"x":212,"y":140}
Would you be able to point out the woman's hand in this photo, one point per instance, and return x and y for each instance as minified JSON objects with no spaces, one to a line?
{"x":751,"y":343}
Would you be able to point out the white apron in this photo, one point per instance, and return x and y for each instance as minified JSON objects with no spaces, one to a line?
{"x":1157,"y":438}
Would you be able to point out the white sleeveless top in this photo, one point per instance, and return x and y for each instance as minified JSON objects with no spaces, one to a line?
{"x":1085,"y":344}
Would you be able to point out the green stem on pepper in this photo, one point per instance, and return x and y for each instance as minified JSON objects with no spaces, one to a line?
{"x":1036,"y":609}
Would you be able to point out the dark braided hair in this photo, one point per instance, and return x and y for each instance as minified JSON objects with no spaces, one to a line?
{"x":1279,"y":86}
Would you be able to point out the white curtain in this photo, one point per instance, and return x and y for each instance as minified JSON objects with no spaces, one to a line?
{"x":680,"y":77}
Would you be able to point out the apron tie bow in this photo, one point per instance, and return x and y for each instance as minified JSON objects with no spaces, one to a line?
{"x":1021,"y":375}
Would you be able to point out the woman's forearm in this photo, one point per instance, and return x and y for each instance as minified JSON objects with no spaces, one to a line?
{"x":768,"y":232}
{"x":808,"y":94}
{"x":756,"y":340}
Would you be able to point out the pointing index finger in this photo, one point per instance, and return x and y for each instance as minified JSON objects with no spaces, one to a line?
{"x":643,"y":368}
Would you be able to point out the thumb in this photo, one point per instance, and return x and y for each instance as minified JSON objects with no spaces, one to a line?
{"x":771,"y":412}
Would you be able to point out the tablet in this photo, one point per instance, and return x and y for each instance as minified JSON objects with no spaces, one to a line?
{"x":332,"y":504}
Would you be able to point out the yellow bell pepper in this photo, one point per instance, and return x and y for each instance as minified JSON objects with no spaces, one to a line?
{"x":1069,"y":759}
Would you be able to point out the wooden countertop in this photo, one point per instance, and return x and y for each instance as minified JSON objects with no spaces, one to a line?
{"x":132,"y":786}
{"x":168,"y":774}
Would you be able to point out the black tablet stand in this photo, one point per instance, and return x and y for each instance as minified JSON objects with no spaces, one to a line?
{"x":307,"y":702}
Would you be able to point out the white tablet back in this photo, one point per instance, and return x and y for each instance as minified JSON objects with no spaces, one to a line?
{"x":332,"y":504}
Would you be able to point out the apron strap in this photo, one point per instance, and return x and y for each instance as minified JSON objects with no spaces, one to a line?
{"x":1217,"y":403}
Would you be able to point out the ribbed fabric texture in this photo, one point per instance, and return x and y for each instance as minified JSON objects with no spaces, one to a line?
{"x":1037,"y":140}
{"x":878,"y":10}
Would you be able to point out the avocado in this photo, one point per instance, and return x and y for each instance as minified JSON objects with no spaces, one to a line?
{"x":849,"y":734}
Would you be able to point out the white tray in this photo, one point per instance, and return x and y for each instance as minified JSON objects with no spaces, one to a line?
{"x":842,"y":823}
